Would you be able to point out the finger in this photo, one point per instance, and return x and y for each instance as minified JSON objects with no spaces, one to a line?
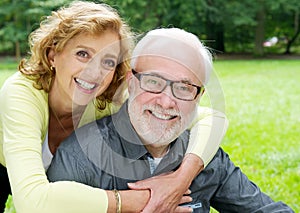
{"x":185,"y":199}
{"x":137,"y":185}
{"x":187,"y":192}
{"x":183,"y":209}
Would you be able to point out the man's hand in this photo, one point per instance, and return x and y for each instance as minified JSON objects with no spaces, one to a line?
{"x":169,"y":190}
{"x":166,"y":193}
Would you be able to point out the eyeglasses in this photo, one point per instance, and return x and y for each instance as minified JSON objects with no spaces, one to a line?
{"x":156,"y":84}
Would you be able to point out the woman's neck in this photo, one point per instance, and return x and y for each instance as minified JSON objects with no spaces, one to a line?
{"x":63,"y":120}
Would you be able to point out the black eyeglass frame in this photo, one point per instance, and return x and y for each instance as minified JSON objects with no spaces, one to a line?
{"x":168,"y":83}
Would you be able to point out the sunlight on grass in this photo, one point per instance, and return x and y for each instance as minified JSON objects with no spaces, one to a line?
{"x":7,"y":68}
{"x":262,"y":105}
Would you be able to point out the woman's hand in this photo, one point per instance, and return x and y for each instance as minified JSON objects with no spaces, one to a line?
{"x":166,"y":193}
{"x":169,"y":190}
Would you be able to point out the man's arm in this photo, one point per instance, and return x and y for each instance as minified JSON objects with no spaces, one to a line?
{"x":238,"y":194}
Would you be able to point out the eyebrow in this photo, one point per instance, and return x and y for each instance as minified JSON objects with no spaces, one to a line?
{"x":86,"y":47}
{"x":184,"y":80}
{"x":111,"y":56}
{"x":94,"y":51}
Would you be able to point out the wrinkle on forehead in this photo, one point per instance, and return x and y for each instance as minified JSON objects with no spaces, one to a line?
{"x":184,"y":48}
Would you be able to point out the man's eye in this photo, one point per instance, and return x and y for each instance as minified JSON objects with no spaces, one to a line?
{"x":82,"y":54}
{"x":152,"y":81}
{"x":183,"y":88}
{"x":109,"y":63}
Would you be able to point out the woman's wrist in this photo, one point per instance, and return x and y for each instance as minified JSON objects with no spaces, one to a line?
{"x":129,"y":200}
{"x":190,"y":167}
{"x":118,"y":201}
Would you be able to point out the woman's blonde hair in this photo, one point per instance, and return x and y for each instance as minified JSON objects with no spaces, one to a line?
{"x":56,"y":30}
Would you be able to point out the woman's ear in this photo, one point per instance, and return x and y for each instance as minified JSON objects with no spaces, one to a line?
{"x":51,"y":55}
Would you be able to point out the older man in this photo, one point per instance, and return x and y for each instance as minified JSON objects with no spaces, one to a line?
{"x":149,"y":135}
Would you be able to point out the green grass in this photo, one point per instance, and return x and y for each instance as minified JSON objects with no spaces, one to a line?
{"x":7,"y":68}
{"x":262,"y":105}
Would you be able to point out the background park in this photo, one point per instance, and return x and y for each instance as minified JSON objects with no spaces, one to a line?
{"x":256,"y":46}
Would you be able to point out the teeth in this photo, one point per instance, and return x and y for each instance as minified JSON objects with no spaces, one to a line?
{"x":161,"y":113}
{"x":85,"y":84}
{"x":162,"y":116}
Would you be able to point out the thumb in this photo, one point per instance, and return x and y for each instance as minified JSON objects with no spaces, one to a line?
{"x":137,"y":185}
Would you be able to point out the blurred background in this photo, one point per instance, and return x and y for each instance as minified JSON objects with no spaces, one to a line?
{"x":256,"y":44}
{"x":255,"y":27}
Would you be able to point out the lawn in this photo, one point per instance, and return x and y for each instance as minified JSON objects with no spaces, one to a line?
{"x":261,"y":102}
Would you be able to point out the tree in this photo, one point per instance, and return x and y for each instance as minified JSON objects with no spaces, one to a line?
{"x":296,"y":34}
{"x":260,"y":28}
{"x":282,"y":21}
{"x":19,"y":18}
{"x":225,"y":26}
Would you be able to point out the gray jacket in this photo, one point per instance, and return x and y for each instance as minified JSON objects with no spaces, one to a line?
{"x":108,"y":154}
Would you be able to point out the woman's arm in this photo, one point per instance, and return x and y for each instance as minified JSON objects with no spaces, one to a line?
{"x":205,"y":138}
{"x":24,"y":119}
{"x":207,"y":132}
{"x":131,"y":200}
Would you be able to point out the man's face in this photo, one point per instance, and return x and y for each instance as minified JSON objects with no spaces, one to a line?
{"x":160,"y":118}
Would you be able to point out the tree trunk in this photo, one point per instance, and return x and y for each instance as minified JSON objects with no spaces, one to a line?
{"x":260,"y":30}
{"x":297,"y":32}
{"x":220,"y":38}
{"x":215,"y":32}
{"x":18,"y":50}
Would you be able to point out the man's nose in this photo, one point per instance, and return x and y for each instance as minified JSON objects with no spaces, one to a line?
{"x":166,"y":98}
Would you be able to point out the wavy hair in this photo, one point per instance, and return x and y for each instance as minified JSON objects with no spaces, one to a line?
{"x":66,"y":23}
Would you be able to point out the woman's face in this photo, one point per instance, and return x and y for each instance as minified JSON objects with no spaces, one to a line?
{"x":85,"y":67}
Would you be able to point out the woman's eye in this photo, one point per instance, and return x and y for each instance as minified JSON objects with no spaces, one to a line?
{"x":82,"y":54}
{"x":109,"y":63}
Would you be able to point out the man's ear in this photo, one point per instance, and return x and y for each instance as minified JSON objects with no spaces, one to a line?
{"x":129,"y":76}
{"x":202,"y":92}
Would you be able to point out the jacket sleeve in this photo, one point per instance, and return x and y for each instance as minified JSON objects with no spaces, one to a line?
{"x":238,"y":194}
{"x":23,"y":116}
{"x":207,"y":132}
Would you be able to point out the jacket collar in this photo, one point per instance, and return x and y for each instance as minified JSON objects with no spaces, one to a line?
{"x":133,"y":147}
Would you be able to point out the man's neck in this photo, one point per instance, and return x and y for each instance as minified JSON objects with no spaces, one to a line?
{"x":158,"y":152}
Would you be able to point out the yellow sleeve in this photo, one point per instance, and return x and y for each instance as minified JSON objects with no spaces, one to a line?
{"x":23,"y":123}
{"x":207,"y":132}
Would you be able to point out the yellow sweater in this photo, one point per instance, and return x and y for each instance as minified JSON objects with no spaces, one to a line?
{"x":24,"y":118}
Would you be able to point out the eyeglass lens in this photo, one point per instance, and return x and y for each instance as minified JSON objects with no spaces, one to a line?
{"x":156,"y":84}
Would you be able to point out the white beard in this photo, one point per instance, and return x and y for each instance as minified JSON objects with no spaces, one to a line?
{"x":150,"y":129}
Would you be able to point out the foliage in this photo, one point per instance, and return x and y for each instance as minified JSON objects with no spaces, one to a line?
{"x":263,"y":136}
{"x":15,"y":25}
{"x":227,"y":26}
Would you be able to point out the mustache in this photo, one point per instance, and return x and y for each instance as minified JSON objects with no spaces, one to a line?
{"x":157,"y":108}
